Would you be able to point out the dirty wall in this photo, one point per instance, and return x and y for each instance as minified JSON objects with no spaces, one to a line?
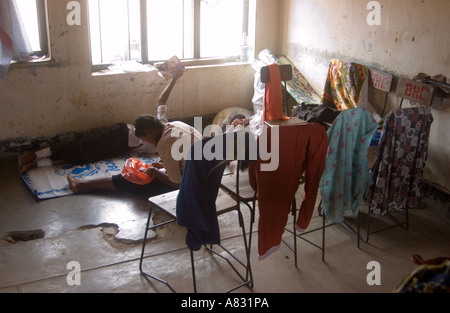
{"x":411,"y":37}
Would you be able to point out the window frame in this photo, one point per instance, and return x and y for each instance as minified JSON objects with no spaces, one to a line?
{"x":44,"y":53}
{"x":196,"y":60}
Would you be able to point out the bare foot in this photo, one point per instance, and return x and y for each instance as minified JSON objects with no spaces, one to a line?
{"x":27,"y":157}
{"x":73,"y":183}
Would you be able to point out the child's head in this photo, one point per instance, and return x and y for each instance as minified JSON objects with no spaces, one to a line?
{"x":148,"y":128}
{"x":239,"y":119}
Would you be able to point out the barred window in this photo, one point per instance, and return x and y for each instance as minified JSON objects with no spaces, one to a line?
{"x":34,"y":24}
{"x":149,"y":31}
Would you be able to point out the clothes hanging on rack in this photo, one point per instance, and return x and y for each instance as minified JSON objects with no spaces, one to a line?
{"x":273,"y":98}
{"x":200,"y":182}
{"x":343,"y":85}
{"x":196,"y":208}
{"x":316,"y":113}
{"x":302,"y":150}
{"x":346,"y":176}
{"x":402,"y":153}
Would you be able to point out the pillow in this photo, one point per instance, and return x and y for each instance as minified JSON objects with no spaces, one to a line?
{"x":224,"y":117}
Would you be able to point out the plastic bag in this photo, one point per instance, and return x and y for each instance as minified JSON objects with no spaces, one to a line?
{"x":258,"y":86}
{"x":133,"y":172}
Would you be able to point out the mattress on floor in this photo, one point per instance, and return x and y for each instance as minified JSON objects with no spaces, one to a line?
{"x":51,"y":182}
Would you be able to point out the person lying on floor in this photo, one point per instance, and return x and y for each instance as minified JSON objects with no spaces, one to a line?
{"x":149,"y":134}
{"x":239,"y":121}
{"x":165,"y":175}
{"x":99,"y":144}
{"x":156,"y":133}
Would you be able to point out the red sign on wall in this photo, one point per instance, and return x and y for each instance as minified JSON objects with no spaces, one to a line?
{"x":414,"y":91}
{"x":380,"y":80}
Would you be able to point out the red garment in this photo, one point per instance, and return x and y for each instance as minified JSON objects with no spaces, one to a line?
{"x":5,"y":39}
{"x":302,"y":150}
{"x":273,"y":97}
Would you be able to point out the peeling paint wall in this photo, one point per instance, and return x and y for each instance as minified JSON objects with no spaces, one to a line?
{"x":62,"y":95}
{"x":412,"y":38}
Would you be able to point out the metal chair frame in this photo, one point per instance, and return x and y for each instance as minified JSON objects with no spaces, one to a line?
{"x":247,"y":277}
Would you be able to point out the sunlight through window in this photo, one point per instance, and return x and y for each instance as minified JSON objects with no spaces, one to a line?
{"x":155,"y":30}
{"x":29,"y":14}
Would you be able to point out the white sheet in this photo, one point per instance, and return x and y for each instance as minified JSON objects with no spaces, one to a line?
{"x":51,"y":182}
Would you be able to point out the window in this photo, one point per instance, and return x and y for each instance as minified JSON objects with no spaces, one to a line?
{"x":33,"y":16}
{"x":154,"y":30}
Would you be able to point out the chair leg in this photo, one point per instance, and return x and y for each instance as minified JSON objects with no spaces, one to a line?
{"x":294,"y":213}
{"x":193,"y":271}
{"x":147,"y":228}
{"x":368,"y":226}
{"x":294,"y":232}
{"x":247,"y":244}
{"x":323,"y":237}
{"x":359,"y":227}
{"x":145,"y":239}
{"x":404,"y":225}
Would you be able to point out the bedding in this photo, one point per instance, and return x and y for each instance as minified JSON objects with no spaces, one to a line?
{"x":51,"y":182}
{"x":225,"y":116}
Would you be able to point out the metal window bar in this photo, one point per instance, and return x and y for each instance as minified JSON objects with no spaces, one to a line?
{"x":144,"y":33}
{"x":41,"y":6}
{"x":100,"y":31}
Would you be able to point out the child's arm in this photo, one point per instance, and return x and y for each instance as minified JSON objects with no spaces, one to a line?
{"x":161,"y":176}
{"x":158,"y":165}
{"x":162,"y":100}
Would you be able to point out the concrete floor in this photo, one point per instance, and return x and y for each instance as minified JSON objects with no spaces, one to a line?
{"x":103,"y":233}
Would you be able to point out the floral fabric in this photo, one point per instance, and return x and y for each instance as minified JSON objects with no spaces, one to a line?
{"x":346,"y":176}
{"x":344,"y":84}
{"x":398,"y":168}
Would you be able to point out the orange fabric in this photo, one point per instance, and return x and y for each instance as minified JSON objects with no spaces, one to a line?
{"x":302,"y":150}
{"x":273,"y":97}
{"x":133,"y":172}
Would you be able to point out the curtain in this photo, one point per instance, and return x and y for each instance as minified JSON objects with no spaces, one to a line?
{"x":14,"y":43}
